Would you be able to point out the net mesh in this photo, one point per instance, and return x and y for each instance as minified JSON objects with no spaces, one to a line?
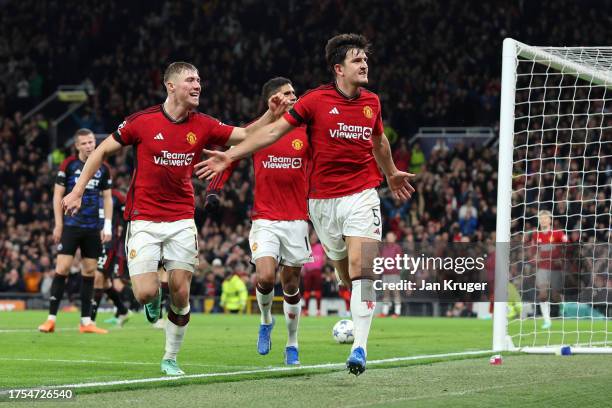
{"x":562,"y":163}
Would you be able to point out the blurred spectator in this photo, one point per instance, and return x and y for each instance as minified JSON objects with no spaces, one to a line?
{"x":12,"y":282}
{"x":401,"y":155}
{"x":417,"y":159}
{"x":234,"y":291}
{"x":468,"y":223}
{"x":440,"y":147}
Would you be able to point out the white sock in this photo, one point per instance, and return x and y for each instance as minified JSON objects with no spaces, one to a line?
{"x":85,"y":321}
{"x":362,"y":312}
{"x":398,"y":308}
{"x":545,"y":309}
{"x":385,"y":308}
{"x":265,"y":305}
{"x":174,"y":334}
{"x":292,"y":318}
{"x":52,"y":317}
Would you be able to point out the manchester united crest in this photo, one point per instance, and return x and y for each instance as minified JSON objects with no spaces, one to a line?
{"x":367,"y":112}
{"x":297,"y":144}
{"x":191,"y":138}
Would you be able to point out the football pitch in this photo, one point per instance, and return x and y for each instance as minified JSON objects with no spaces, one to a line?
{"x":411,"y":362}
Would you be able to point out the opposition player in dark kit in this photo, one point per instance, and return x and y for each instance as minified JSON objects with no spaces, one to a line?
{"x":80,"y":230}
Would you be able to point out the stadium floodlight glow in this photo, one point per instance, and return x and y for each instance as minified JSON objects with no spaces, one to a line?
{"x":555,"y":154}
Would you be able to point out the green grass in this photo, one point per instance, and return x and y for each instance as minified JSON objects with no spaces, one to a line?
{"x":226,"y":344}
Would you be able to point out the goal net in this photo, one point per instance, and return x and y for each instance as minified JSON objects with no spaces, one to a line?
{"x":553,"y":287}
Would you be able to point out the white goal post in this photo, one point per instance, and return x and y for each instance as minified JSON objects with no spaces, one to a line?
{"x":555,"y":160}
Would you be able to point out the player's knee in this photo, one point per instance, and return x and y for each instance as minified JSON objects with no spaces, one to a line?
{"x":265,"y":279}
{"x":180,"y":296}
{"x":265,"y":286}
{"x":88,"y":271}
{"x":291,"y":287}
{"x":98,"y":281}
{"x":355,"y":267}
{"x":265,"y":276}
{"x":61,"y":271}
{"x":145,"y":295}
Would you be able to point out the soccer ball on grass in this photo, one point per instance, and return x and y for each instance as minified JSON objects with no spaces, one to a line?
{"x":343,"y":331}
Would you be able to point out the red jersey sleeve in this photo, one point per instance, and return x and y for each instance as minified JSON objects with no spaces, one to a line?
{"x":218,"y":132}
{"x":378,"y":125}
{"x":302,"y":111}
{"x":219,"y":181}
{"x":125,"y":133}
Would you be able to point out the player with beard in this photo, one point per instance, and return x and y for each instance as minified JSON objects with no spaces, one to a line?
{"x":344,"y":123}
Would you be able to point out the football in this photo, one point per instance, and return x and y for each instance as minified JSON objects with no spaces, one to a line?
{"x":343,"y":331}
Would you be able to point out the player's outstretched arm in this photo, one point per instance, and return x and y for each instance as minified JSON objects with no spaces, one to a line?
{"x":72,"y":202}
{"x":398,"y":181}
{"x":277,"y":105}
{"x":219,"y":161}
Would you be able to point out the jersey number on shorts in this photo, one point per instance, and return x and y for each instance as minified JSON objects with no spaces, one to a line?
{"x":375,"y":212}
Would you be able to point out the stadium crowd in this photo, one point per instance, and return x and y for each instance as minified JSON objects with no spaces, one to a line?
{"x":439,"y":69}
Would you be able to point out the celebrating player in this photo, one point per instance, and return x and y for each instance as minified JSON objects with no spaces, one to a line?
{"x":279,"y":235}
{"x":549,"y":274}
{"x":344,"y":123}
{"x":167,"y":139}
{"x":80,"y":230}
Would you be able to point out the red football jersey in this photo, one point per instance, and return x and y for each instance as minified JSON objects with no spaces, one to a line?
{"x":548,"y":249}
{"x":165,"y":152}
{"x":281,"y":178}
{"x":340,"y":131}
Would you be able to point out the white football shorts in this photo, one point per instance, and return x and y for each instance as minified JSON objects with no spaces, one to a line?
{"x":286,"y":241}
{"x":174,"y":243}
{"x":356,"y":215}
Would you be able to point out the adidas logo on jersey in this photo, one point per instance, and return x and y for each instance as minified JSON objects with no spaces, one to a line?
{"x":334,"y":111}
{"x":159,"y":136}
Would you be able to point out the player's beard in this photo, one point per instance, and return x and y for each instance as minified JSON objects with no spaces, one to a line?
{"x":361,"y":80}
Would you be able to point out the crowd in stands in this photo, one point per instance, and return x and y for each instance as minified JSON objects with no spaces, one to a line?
{"x":433,"y":63}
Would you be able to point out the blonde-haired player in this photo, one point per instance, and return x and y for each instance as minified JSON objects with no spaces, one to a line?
{"x":548,"y":256}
